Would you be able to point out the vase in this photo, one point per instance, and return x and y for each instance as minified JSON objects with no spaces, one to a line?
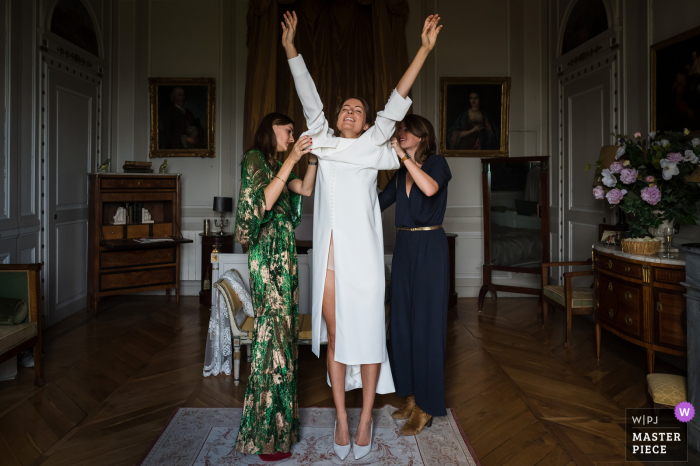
{"x":659,"y":232}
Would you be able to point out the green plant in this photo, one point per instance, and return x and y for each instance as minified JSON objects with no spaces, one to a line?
{"x":648,"y":180}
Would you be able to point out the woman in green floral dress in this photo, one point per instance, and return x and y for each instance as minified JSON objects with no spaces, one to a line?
{"x":269,"y":209}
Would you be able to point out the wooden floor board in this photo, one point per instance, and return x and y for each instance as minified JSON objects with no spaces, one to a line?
{"x":521,"y":397}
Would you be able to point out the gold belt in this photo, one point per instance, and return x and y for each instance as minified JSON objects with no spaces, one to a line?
{"x":436,"y":227}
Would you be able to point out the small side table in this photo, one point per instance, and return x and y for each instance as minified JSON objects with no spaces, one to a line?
{"x":225,"y":245}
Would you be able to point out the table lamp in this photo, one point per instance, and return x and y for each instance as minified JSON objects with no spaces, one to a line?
{"x":222,"y":205}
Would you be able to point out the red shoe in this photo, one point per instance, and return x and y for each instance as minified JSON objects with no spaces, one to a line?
{"x":277,"y":456}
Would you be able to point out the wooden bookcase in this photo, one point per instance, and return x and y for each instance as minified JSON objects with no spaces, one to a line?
{"x":117,"y":263}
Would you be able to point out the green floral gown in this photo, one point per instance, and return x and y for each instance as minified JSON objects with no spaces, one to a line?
{"x":270,"y":420}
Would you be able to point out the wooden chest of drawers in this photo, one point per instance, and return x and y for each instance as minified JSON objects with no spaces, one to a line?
{"x":640,"y":299}
{"x":118,"y":264}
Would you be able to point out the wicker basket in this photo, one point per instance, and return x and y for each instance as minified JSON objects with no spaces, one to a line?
{"x":642,"y":248}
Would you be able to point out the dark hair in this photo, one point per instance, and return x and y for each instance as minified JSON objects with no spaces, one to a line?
{"x":421,"y":128}
{"x":369,"y":116}
{"x":265,"y":139}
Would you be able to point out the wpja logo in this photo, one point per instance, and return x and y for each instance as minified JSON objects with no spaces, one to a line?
{"x":658,"y":435}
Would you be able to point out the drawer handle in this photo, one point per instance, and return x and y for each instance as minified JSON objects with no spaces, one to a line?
{"x":628,"y":296}
{"x":659,"y":307}
{"x":597,"y":284}
{"x":628,"y":320}
{"x":610,"y":287}
{"x":627,"y":268}
{"x":610,"y":264}
{"x":611,"y":313}
{"x":138,"y":183}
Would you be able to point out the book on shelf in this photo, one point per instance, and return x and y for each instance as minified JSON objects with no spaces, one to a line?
{"x":134,"y":163}
{"x":138,"y":170}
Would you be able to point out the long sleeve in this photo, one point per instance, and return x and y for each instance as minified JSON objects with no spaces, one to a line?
{"x":319,"y":128}
{"x":394,"y":111}
{"x":251,"y":212}
{"x":388,"y":196}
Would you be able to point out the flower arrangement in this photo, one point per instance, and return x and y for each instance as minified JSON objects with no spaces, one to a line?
{"x":647,"y":180}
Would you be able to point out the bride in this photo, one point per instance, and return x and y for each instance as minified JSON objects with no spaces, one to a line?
{"x":348,"y":266}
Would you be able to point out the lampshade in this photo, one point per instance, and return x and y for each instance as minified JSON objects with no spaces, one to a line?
{"x":223,"y":204}
{"x":607,"y":157}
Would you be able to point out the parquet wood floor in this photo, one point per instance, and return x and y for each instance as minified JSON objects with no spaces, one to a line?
{"x":522,"y":398}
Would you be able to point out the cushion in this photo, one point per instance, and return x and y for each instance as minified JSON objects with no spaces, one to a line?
{"x":14,"y":284}
{"x":583,"y":297}
{"x":248,"y":326}
{"x":304,"y":326}
{"x":667,"y":389}
{"x":12,"y":311}
{"x":14,"y":335}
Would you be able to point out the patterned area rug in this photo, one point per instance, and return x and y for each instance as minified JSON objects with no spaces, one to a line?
{"x":205,"y":437}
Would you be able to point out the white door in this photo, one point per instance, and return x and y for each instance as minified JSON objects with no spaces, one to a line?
{"x":587,"y":126}
{"x":70,"y":145}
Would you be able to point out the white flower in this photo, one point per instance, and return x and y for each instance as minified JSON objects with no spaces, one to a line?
{"x":664,"y":142}
{"x":695,"y":142}
{"x":690,"y":157}
{"x":670,"y":168}
{"x":620,"y":152}
{"x":609,"y":179}
{"x":652,"y":134}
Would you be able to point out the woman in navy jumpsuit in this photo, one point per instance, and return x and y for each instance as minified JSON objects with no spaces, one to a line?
{"x":420,"y":274}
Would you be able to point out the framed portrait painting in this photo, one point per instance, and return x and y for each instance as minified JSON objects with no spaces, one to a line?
{"x":675,"y":83}
{"x":182,"y":117}
{"x":474,"y":117}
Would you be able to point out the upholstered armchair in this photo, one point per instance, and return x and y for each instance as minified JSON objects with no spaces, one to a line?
{"x":20,"y":314}
{"x":569,"y":299}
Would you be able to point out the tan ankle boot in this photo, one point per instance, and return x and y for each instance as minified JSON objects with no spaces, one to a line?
{"x":418,"y":420}
{"x":404,"y":412}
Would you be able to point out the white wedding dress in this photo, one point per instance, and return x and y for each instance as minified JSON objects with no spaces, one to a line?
{"x":345,"y":204}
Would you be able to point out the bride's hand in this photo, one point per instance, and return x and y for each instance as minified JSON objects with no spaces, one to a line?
{"x":430,"y":32}
{"x":400,"y":153}
{"x":289,"y":29}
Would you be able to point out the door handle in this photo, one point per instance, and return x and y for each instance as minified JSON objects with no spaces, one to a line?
{"x":55,"y":216}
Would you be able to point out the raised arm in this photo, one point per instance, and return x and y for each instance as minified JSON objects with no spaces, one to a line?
{"x":306,"y":89}
{"x":399,"y":102}
{"x":428,"y":38}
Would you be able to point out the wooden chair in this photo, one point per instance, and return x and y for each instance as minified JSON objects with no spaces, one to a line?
{"x":567,"y":298}
{"x":23,"y":282}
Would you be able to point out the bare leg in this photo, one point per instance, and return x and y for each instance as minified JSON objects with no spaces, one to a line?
{"x":370,"y":376}
{"x":336,"y":370}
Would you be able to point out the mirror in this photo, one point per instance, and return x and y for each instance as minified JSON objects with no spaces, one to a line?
{"x":516,"y":214}
{"x":516,"y":222}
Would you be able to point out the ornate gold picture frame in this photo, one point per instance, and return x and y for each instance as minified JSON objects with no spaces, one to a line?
{"x":183,"y":117}
{"x":474,"y":117}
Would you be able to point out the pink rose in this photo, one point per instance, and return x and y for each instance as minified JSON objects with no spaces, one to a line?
{"x":599,"y":192}
{"x":628,"y":175}
{"x":637,"y":134}
{"x":649,"y":179}
{"x":652,"y":195}
{"x":674,"y":157}
{"x":616,"y":167}
{"x":614,"y":196}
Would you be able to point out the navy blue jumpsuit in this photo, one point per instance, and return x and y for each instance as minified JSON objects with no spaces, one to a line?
{"x":420,"y":284}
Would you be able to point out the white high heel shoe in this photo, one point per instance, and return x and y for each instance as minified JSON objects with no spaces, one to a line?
{"x":361,"y":451}
{"x":341,"y":450}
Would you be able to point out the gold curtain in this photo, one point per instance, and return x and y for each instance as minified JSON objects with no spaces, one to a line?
{"x":351,"y":47}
